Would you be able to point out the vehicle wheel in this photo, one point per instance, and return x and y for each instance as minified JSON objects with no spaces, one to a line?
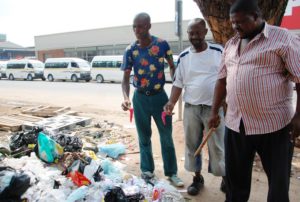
{"x":43,"y":78}
{"x":87,"y":80}
{"x":11,"y":77}
{"x":50,"y":77}
{"x":131,"y":79}
{"x":99,"y":78}
{"x":29,"y":77}
{"x":74,"y":78}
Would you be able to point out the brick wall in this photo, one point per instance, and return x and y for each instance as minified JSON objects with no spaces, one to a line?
{"x":43,"y":55}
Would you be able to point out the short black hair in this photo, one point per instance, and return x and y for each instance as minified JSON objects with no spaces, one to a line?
{"x":245,"y":6}
{"x":196,"y":21}
{"x":144,"y":16}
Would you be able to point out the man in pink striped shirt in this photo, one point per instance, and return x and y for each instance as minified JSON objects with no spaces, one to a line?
{"x":258,"y":67}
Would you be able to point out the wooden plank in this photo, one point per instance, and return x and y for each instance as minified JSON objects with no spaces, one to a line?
{"x":33,"y":109}
{"x":9,"y":120}
{"x":10,"y":127}
{"x":4,"y":128}
{"x":8,"y":124}
{"x":74,"y":113}
{"x":62,"y":109}
{"x":46,"y":111}
{"x":41,"y":108}
{"x":14,"y":122}
{"x":50,"y":111}
{"x":25,"y":117}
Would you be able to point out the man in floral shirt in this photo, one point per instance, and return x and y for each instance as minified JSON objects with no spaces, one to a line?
{"x":146,"y":57}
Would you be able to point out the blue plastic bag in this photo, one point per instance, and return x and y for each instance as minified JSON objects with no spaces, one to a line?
{"x":48,"y":149}
{"x":113,"y":150}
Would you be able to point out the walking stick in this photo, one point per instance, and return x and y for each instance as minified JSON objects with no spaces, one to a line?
{"x":198,"y":151}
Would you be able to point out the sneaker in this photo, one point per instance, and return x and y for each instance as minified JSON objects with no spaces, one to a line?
{"x":194,"y":188}
{"x":149,"y":178}
{"x":176,"y":181}
{"x":223,"y":186}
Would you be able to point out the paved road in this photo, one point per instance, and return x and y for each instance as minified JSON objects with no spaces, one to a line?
{"x":65,"y":93}
{"x":71,"y":94}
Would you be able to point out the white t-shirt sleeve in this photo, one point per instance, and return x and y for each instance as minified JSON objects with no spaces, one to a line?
{"x":178,"y":80}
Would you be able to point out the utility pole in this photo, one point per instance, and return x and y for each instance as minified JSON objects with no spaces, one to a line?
{"x":178,"y":32}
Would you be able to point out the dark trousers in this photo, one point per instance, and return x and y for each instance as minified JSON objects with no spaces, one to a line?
{"x":146,"y":107}
{"x":275,"y":151}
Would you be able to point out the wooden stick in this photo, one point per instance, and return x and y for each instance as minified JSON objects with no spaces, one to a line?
{"x":198,"y":151}
{"x":22,"y":152}
{"x":134,"y":152}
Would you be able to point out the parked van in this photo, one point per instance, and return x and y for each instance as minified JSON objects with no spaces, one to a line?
{"x":25,"y":69}
{"x":73,"y":69}
{"x":107,"y":68}
{"x":3,"y":69}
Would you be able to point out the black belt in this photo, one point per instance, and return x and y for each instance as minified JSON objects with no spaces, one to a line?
{"x":149,"y":92}
{"x":200,"y":105}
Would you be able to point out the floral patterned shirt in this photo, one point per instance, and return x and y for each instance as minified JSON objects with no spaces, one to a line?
{"x":147,"y":63}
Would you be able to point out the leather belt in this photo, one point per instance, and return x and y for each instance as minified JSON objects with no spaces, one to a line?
{"x":149,"y":92}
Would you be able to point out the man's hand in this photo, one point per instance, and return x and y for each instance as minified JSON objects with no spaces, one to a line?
{"x":214,"y":121}
{"x":168,"y":108}
{"x":126,"y":105}
{"x":295,"y":126}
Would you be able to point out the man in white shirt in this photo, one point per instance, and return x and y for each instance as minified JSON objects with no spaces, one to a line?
{"x":197,"y":73}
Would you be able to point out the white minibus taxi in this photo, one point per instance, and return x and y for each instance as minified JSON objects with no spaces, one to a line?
{"x":3,"y":69}
{"x":73,"y":69}
{"x":107,"y":68}
{"x":25,"y":69}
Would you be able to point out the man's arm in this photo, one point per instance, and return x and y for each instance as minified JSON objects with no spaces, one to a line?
{"x":175,"y":93}
{"x":126,"y":90}
{"x":219,"y":96}
{"x":172,"y":67}
{"x":296,"y":118}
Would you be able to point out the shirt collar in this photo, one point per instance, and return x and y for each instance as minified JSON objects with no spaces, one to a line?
{"x":153,"y":39}
{"x":266,"y":30}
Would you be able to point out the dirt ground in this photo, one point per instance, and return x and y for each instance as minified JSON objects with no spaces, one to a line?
{"x":210,"y":192}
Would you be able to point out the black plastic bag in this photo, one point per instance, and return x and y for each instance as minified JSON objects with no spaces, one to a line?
{"x":70,"y":143}
{"x":20,"y":139}
{"x":116,"y":194}
{"x":19,"y":184}
{"x":97,"y":175}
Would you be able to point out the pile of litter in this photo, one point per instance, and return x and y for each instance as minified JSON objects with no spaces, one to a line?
{"x":41,"y":166}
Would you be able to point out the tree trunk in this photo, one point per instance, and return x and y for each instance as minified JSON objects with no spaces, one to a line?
{"x":216,"y":14}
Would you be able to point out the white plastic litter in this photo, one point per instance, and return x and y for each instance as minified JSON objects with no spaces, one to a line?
{"x":167,"y":192}
{"x":43,"y":176}
{"x":77,"y":194}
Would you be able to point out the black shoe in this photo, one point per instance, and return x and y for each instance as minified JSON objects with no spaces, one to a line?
{"x":223,"y":186}
{"x":194,"y":188}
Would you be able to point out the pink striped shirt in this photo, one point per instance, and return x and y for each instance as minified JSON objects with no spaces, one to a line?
{"x":259,"y":80}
